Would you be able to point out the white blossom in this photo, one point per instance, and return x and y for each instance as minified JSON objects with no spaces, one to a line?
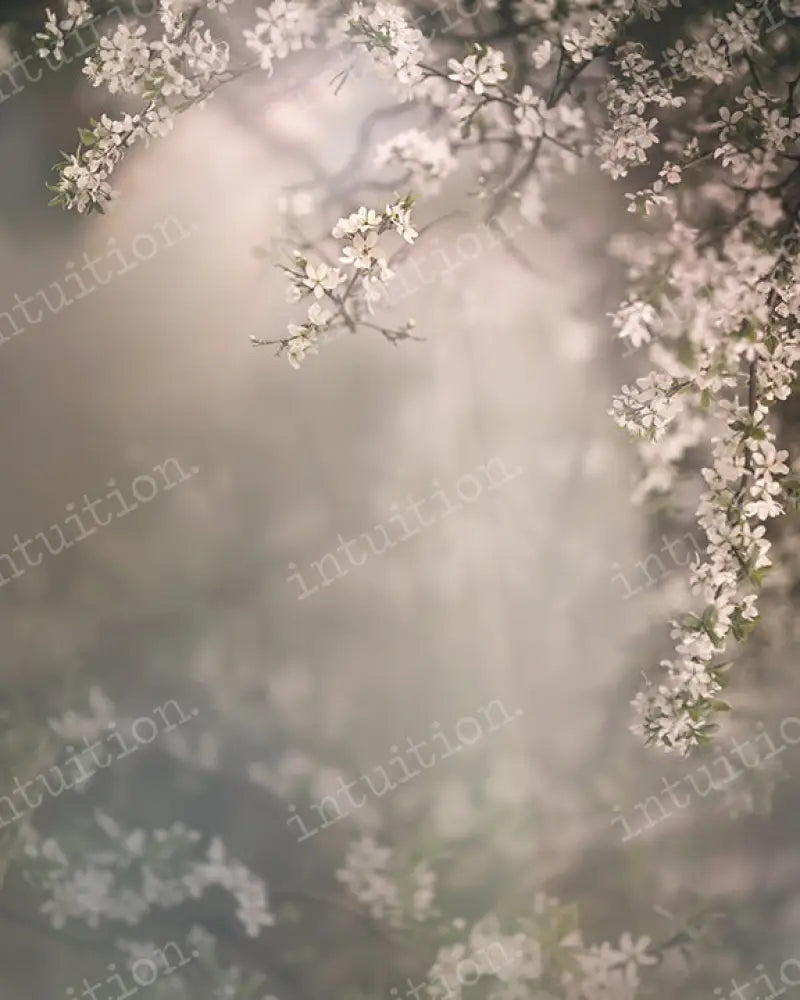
{"x":285,"y":26}
{"x":429,"y":160}
{"x":480,"y":70}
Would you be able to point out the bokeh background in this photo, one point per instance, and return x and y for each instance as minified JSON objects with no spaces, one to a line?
{"x":516,"y":597}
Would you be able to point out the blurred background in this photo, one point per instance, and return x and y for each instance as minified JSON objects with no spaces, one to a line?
{"x":526,"y":594}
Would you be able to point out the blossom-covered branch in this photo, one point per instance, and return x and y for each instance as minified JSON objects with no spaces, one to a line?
{"x":352,"y":294}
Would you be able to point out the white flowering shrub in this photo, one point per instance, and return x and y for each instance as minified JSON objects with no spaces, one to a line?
{"x":172,"y":908}
{"x":693,"y":112}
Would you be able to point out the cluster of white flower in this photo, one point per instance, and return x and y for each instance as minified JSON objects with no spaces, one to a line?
{"x":180,"y":64}
{"x":636,"y":87}
{"x":744,"y":487}
{"x":648,"y":408}
{"x":121,"y":62}
{"x":635,"y":322}
{"x":608,"y":972}
{"x":657,"y":195}
{"x":351,"y":292}
{"x":542,"y":952}
{"x":745,"y":479}
{"x":372,"y":876}
{"x":587,"y":34}
{"x":396,"y":47}
{"x":479,"y":77}
{"x":51,"y":39}
{"x":723,"y":39}
{"x":84,"y":181}
{"x":546,"y":957}
{"x":510,"y":962}
{"x":130,"y":872}
{"x":170,"y":73}
{"x":285,"y":26}
{"x":248,"y":890}
{"x":517,"y":121}
{"x":428,"y":160}
{"x":724,"y":323}
{"x":532,"y":113}
{"x":761,"y":114}
{"x":480,"y":70}
{"x":736,"y":32}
